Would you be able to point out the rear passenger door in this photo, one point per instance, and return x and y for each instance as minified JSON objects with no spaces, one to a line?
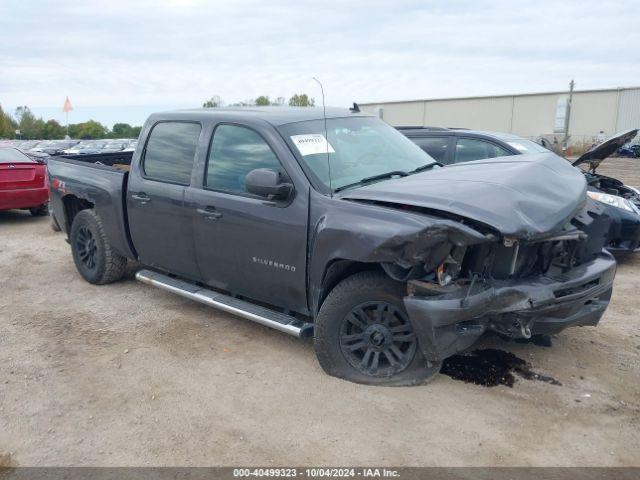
{"x":160,"y":225}
{"x":469,"y":149}
{"x":247,"y":244}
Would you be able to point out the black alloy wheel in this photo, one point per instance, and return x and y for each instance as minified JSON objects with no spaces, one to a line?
{"x":87,"y":248}
{"x":377,"y":339}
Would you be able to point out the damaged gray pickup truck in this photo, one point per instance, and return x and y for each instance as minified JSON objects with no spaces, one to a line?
{"x":341,"y":228}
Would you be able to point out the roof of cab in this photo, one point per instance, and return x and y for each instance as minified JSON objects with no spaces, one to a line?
{"x":273,"y":115}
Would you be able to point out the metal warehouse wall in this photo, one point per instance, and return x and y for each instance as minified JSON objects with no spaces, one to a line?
{"x":529,"y":115}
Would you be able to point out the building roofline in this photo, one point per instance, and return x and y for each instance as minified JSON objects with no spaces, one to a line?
{"x":479,"y":97}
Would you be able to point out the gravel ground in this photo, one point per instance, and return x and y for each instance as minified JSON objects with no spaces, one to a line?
{"x":126,"y":374}
{"x":625,"y":169}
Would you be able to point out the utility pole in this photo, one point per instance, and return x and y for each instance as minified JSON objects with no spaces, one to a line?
{"x":565,"y":143}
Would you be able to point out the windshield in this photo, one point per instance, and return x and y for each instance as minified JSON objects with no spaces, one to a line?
{"x":359,"y":148}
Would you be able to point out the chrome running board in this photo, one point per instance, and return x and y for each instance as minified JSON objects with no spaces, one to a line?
{"x":264,"y":316}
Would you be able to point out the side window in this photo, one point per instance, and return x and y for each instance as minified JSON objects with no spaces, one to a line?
{"x":469,"y":149}
{"x":170,"y":150}
{"x":234,"y":152}
{"x":434,"y":146}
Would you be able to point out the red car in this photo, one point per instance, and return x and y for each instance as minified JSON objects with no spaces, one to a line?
{"x":23,"y":182}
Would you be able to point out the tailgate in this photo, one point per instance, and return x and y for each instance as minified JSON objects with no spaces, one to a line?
{"x":16,"y":176}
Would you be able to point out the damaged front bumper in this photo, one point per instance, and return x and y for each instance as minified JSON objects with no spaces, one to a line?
{"x":449,"y":322}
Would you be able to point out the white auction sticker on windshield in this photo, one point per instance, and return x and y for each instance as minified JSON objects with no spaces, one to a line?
{"x":311,"y":144}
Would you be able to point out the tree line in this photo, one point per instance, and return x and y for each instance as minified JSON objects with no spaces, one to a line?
{"x":35,"y":128}
{"x":297,"y":100}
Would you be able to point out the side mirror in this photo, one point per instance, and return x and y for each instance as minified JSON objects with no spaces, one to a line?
{"x":265,"y":182}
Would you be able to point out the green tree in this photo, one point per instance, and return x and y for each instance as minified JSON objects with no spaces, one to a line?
{"x":213,"y":102}
{"x":52,"y":130}
{"x":135,"y":132}
{"x":7,"y":125}
{"x":30,"y":126}
{"x":121,"y":130}
{"x":90,"y":130}
{"x":21,"y":111}
{"x":263,"y":101}
{"x":74,"y":129}
{"x":301,"y":100}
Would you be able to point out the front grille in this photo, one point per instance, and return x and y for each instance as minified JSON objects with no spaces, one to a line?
{"x":580,"y":241}
{"x":520,"y":261}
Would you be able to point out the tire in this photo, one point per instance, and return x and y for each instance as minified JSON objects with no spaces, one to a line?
{"x":40,"y":211}
{"x":351,"y":328}
{"x":55,"y":226}
{"x":94,"y":257}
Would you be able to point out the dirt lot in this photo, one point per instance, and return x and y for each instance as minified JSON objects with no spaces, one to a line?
{"x":126,"y":374}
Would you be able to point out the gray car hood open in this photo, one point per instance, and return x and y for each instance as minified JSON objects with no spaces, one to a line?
{"x":522,"y":196}
{"x":607,"y":148}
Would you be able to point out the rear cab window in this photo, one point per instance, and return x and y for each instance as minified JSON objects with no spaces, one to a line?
{"x":170,"y":152}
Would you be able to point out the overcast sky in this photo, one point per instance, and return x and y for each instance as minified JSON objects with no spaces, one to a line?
{"x":119,"y":61}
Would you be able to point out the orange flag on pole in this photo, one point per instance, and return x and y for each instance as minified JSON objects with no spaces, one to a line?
{"x":67,"y":106}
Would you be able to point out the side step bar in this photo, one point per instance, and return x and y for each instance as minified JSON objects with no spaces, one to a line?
{"x":264,"y":316}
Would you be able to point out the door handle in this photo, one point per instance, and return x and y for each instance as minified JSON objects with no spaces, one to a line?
{"x":141,"y":197}
{"x":209,"y":213}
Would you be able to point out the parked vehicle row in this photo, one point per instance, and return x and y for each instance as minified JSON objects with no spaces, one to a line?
{"x":631,"y":150}
{"x":621,"y":202}
{"x":335,"y":225}
{"x":23,"y":164}
{"x":78,"y":147}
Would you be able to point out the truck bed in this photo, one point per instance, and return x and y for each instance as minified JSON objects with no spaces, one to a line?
{"x":100,"y":180}
{"x":119,"y":160}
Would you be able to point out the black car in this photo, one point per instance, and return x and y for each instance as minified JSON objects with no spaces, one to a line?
{"x":455,"y":145}
{"x":332,"y":223}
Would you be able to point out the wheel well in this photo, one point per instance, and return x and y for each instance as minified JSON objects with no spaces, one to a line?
{"x":337,"y":271}
{"x":72,"y":206}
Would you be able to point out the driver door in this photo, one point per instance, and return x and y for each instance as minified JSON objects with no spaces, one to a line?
{"x":246,"y":244}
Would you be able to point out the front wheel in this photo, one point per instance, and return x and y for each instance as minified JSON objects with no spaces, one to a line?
{"x":93,"y":255}
{"x":363,"y":334}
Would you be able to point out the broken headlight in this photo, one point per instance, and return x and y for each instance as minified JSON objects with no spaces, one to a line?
{"x":614,"y":201}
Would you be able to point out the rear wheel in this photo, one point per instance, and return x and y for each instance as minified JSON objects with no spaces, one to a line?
{"x":40,"y":211}
{"x":94,"y":257}
{"x":363,"y":334}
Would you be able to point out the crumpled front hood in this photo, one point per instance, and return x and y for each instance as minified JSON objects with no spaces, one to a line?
{"x":522,"y":196}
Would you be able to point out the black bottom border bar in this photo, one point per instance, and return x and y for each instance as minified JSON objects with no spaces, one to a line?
{"x":405,"y":473}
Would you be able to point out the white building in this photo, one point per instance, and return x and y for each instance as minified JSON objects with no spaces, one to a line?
{"x":529,"y":115}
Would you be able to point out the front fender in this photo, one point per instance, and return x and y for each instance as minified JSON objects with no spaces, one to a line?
{"x":348,"y":230}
